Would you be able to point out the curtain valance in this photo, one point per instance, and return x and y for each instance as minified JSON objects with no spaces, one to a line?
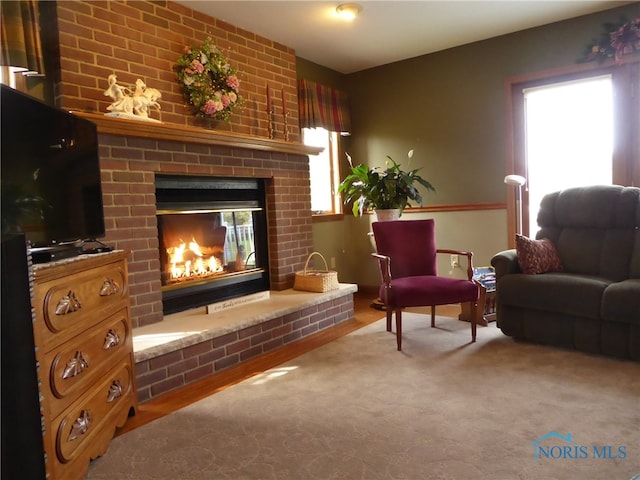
{"x":322,"y":106}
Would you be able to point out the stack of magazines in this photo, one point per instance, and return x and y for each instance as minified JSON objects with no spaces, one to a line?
{"x":485,"y":276}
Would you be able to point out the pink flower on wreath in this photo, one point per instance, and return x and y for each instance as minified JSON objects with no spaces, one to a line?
{"x":233,"y":82}
{"x":197,"y":66}
{"x":212,"y":106}
{"x":225,"y":101}
{"x":209,"y":107}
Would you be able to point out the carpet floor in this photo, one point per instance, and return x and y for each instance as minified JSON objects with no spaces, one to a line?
{"x":442,"y":409}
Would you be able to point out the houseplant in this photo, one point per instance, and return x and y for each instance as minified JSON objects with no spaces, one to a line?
{"x":376,"y":189}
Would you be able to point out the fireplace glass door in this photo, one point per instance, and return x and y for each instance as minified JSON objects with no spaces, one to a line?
{"x":201,"y":246}
{"x":212,"y":240}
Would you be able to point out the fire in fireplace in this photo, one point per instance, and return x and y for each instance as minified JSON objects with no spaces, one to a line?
{"x":212,"y":239}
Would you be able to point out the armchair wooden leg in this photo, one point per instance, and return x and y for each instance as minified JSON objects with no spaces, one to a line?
{"x":433,"y":316}
{"x":389,"y":313}
{"x":399,"y":328}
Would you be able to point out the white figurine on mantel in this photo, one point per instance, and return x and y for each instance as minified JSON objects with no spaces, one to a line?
{"x":128,"y":103}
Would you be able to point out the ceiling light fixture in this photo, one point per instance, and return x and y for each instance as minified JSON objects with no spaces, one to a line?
{"x":348,"y":11}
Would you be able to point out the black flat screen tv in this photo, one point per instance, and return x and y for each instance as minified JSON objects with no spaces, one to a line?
{"x":50,"y":173}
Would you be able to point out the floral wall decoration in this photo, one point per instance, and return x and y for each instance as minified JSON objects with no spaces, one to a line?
{"x":209,"y":83}
{"x":620,"y":39}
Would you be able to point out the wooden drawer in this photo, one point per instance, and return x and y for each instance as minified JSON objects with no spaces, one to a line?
{"x":84,"y":349}
{"x":68,"y":305}
{"x":78,"y":363}
{"x":84,"y":429}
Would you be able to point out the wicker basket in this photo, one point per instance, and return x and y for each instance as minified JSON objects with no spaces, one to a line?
{"x":316,"y":280}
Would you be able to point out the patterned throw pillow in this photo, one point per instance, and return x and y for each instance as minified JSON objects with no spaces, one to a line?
{"x":537,"y":256}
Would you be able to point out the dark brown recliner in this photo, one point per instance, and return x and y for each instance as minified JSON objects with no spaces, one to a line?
{"x":593,"y":305}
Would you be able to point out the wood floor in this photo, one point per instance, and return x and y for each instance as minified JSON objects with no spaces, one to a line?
{"x":172,"y":401}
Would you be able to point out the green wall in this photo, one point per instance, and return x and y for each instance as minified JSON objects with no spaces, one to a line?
{"x":312,"y":71}
{"x":449,"y":107}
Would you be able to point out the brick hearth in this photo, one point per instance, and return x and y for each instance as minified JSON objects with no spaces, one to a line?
{"x":188,"y":346}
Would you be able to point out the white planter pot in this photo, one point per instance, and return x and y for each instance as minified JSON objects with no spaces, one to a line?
{"x":385,"y":215}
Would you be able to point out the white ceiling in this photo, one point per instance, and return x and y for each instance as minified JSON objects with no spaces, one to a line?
{"x":389,"y":31}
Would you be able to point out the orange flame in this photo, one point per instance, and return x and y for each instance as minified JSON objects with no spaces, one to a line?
{"x":195,"y":265}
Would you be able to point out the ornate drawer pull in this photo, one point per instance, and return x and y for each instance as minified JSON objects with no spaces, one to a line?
{"x":68,"y":304}
{"x":109,"y":287}
{"x":111,"y":340}
{"x":80,"y":426}
{"x":75,"y":366}
{"x":115,"y":391}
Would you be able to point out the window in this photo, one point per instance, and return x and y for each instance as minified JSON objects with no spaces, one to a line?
{"x":324,"y":171}
{"x":616,"y":107}
{"x":558,"y":153}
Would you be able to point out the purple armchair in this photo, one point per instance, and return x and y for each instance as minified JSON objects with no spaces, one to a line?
{"x":406,"y":253}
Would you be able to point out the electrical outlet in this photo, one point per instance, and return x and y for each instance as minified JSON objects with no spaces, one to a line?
{"x":332,"y":262}
{"x":455,"y":261}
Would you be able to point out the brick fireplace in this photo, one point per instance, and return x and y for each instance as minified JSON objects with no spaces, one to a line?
{"x":130,"y":161}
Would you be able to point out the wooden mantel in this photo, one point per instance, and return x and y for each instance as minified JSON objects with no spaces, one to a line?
{"x":181,"y":133}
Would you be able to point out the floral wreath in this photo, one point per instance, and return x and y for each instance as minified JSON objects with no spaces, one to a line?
{"x":619,"y":40}
{"x":208,"y":82}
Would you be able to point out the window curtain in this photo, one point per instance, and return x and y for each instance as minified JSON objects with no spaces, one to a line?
{"x":322,"y":106}
{"x":21,"y":46}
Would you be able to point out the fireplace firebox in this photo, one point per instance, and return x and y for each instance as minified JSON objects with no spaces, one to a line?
{"x":212,"y":239}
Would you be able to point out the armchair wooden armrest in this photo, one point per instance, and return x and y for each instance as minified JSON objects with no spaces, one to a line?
{"x":384,"y":263}
{"x":469,"y":256}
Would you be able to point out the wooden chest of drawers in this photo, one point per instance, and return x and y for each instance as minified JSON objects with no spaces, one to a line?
{"x":84,"y":350}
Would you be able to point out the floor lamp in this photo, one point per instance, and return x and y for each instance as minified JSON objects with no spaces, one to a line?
{"x":517,"y":181}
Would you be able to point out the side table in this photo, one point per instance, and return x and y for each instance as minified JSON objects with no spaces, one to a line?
{"x":486,"y":311}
